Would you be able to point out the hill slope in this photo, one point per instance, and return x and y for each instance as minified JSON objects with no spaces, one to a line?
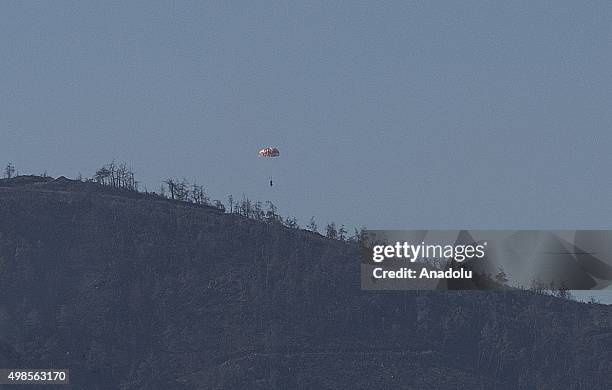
{"x":131,"y":291}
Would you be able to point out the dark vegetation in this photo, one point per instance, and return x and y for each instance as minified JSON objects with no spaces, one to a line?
{"x":136,"y":290}
{"x":120,"y":176}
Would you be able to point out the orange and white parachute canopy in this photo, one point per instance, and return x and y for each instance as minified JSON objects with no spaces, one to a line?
{"x":269,"y":152}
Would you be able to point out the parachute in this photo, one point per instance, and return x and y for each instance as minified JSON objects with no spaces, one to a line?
{"x":269,"y":152}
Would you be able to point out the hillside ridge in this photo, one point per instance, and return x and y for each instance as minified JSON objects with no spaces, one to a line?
{"x":132,"y":291}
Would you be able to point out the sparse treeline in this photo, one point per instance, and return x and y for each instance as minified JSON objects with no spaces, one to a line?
{"x":259,"y":211}
{"x":254,"y":210}
{"x":268,"y":212}
{"x":558,"y":290}
{"x":121,"y":176}
{"x":184,"y":191}
{"x":9,"y":171}
{"x":118,"y":176}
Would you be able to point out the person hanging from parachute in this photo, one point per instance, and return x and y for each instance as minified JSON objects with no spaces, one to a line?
{"x":269,"y":152}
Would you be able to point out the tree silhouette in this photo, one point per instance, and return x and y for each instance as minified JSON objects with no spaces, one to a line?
{"x":342,"y":233}
{"x":272,"y":213}
{"x":9,"y":171}
{"x":312,"y":225}
{"x":230,"y":202}
{"x":258,"y":213}
{"x":359,"y":236}
{"x":219,"y":205}
{"x":245,"y":208}
{"x":198,"y":195}
{"x":102,"y":176}
{"x":118,"y":176}
{"x":330,"y":231}
{"x":171,"y":183}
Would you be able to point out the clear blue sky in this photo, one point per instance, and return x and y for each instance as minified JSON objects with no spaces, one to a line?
{"x":388,"y":114}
